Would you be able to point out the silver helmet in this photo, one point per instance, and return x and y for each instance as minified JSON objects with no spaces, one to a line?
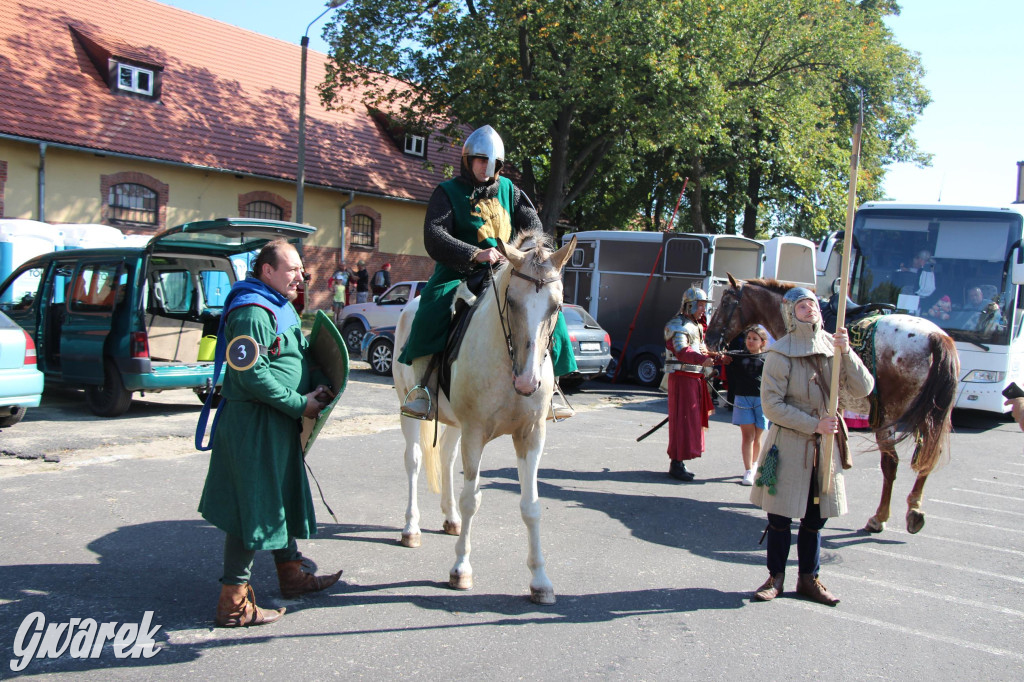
{"x":691,"y":297}
{"x":485,"y":143}
{"x":789,"y":301}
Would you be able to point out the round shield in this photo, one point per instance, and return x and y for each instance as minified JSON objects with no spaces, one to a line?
{"x":243,"y":352}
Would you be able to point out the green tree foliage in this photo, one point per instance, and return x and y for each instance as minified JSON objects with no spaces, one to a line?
{"x":608,"y":107}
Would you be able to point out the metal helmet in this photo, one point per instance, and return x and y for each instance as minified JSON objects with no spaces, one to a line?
{"x":691,"y":297}
{"x":485,"y":143}
{"x":789,"y":301}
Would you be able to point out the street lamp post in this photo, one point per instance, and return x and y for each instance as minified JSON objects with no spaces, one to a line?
{"x":300,"y":180}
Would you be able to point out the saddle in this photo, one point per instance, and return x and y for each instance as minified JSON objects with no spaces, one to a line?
{"x":854,"y":312}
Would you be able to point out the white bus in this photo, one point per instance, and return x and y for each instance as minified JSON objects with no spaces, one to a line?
{"x":960,"y":267}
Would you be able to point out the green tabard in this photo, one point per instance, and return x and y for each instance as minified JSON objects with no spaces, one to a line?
{"x":256,"y":487}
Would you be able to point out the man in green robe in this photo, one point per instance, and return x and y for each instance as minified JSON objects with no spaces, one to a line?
{"x":256,"y":489}
{"x":465,"y":218}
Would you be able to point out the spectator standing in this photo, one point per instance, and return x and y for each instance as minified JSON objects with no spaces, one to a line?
{"x":362,"y":279}
{"x":339,"y":287}
{"x":745,"y":382}
{"x":381,"y":280}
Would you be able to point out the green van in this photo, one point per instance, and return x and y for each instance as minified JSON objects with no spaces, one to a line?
{"x":118,"y":320}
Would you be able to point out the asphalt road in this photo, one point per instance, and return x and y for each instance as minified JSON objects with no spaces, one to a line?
{"x":653,"y":577}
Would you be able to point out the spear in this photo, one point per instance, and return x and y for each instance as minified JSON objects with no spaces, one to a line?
{"x":828,"y":442}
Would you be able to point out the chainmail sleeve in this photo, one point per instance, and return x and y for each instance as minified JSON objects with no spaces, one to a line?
{"x":525,"y":215}
{"x":438,"y":238}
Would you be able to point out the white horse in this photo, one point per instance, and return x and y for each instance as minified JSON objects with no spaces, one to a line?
{"x":501,"y":384}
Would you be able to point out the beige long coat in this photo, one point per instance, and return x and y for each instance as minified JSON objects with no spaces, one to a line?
{"x":794,"y":401}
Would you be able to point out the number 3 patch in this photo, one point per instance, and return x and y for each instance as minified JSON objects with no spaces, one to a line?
{"x":243,"y":352}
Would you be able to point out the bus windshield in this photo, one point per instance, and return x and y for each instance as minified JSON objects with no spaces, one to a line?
{"x":947,"y":266}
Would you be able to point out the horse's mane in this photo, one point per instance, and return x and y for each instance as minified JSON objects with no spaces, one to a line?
{"x":773,"y":285}
{"x":533,"y":237}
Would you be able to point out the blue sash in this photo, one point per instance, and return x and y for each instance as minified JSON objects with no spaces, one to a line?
{"x":249,"y":291}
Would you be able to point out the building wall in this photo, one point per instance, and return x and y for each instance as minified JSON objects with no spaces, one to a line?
{"x":75,"y":194}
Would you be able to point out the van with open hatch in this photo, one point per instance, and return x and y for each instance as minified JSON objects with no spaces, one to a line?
{"x":116,"y":321}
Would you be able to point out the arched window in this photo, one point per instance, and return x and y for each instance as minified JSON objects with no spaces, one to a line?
{"x":131,"y":203}
{"x":362,"y":231}
{"x":264,"y":209}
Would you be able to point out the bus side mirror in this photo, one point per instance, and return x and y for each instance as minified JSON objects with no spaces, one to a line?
{"x":1017,"y":266}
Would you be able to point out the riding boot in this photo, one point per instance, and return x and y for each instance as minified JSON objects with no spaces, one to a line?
{"x":809,"y":586}
{"x":294,"y":581}
{"x":677,"y":470}
{"x":772,"y":587}
{"x":237,"y":608}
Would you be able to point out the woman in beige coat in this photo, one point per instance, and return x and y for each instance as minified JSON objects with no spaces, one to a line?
{"x":794,"y":396}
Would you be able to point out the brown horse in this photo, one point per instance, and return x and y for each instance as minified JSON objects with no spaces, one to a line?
{"x":915,"y":366}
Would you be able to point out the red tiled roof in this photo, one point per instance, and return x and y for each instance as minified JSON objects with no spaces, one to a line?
{"x":229,"y":97}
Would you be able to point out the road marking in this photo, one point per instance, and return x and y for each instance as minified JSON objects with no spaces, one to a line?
{"x":925,"y":593}
{"x":973,"y":523}
{"x":990,"y":482}
{"x":932,"y":562}
{"x":842,"y":615}
{"x":1008,"y":473}
{"x":974,"y":506}
{"x":978,"y":492}
{"x":957,"y":541}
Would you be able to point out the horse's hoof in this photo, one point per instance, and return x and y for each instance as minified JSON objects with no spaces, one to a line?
{"x":545,"y":596}
{"x":410,"y":539}
{"x":460,"y":582}
{"x":874,"y":525}
{"x":453,"y":527}
{"x":915,"y":521}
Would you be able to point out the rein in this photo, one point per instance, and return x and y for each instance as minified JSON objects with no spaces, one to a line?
{"x":506,"y":324}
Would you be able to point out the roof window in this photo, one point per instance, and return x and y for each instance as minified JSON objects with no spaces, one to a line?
{"x":414,"y":144}
{"x":134,"y":79}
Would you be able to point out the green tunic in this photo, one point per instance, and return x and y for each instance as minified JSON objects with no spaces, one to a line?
{"x":482,"y":224}
{"x":256,"y":487}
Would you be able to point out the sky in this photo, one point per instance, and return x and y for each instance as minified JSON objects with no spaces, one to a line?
{"x":973,"y":62}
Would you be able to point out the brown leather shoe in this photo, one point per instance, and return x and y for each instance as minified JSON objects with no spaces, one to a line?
{"x":771,"y":589}
{"x":294,"y":581}
{"x":237,"y":608}
{"x":809,"y":586}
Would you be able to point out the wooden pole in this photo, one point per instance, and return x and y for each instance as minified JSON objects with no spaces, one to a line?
{"x":828,"y":442}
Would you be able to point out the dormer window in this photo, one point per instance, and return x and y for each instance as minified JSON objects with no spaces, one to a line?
{"x":135,"y":79}
{"x":414,"y":144}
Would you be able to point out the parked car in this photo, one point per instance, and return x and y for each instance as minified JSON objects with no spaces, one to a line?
{"x":378,"y":349}
{"x":591,"y":345}
{"x":21,"y":382}
{"x":383,"y":311}
{"x":118,"y":320}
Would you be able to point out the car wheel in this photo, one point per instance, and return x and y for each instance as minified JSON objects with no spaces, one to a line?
{"x":353,"y":335}
{"x":110,"y":399}
{"x":13,"y":418}
{"x":647,"y":370}
{"x":202,"y":393}
{"x":609,"y":371}
{"x":382,"y":355}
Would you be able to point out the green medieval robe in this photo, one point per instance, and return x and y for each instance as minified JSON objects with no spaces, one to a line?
{"x":256,"y":487}
{"x":481,"y":223}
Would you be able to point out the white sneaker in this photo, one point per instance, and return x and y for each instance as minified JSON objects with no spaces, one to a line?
{"x":748,"y":477}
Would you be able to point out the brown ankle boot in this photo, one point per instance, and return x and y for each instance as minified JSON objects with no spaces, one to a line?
{"x":809,"y":586}
{"x":771,"y":589}
{"x":237,"y":608}
{"x":294,"y":581}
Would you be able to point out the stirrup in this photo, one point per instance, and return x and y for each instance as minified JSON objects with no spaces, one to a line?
{"x":428,"y":414}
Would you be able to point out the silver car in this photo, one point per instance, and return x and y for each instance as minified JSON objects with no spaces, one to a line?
{"x":21,"y":384}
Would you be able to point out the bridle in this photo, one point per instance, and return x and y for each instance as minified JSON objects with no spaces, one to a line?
{"x":733,"y":307}
{"x":506,"y":322}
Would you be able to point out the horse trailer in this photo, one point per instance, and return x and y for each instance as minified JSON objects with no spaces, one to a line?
{"x":619,"y":276}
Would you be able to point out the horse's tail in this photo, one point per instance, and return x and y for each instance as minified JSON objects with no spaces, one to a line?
{"x":929,"y":416}
{"x":431,"y":454}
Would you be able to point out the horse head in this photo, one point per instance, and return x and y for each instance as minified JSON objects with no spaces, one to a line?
{"x":727,"y":321}
{"x":533,"y":297}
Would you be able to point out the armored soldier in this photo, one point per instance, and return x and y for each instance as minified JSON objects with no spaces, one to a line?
{"x":686,"y":363}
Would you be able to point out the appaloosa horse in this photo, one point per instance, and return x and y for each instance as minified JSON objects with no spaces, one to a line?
{"x":915,"y":366}
{"x":501,"y":384}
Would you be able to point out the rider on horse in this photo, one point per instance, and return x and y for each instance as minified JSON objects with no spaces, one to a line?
{"x":465,"y":218}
